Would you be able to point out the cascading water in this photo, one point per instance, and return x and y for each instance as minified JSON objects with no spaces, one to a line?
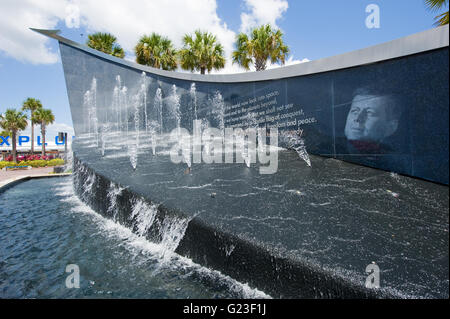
{"x":116,"y":103}
{"x":120,"y":106}
{"x":146,"y":219}
{"x":140,"y":102}
{"x":172,"y":232}
{"x":174,"y":106}
{"x":134,"y":144}
{"x":175,"y":112}
{"x":94,"y":107}
{"x":114,"y":192}
{"x":294,"y":141}
{"x":104,"y":129}
{"x":153,"y":128}
{"x":87,"y":185}
{"x":124,"y":106}
{"x":186,"y":149}
{"x":143,"y":216}
{"x":87,"y":110}
{"x":158,"y":105}
{"x":251,"y":124}
{"x":90,"y":106}
{"x":218,"y":110}
{"x":115,"y":106}
{"x":68,"y":158}
{"x":145,"y":81}
{"x":206,"y":143}
{"x":165,"y":229}
{"x":193,"y":94}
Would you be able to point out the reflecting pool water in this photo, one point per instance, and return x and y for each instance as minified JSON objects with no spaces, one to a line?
{"x":44,"y":227}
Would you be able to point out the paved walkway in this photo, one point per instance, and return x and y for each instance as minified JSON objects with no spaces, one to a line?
{"x":7,"y":177}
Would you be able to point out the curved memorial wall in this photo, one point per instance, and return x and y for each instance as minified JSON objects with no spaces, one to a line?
{"x":309,"y":227}
{"x":400,"y":123}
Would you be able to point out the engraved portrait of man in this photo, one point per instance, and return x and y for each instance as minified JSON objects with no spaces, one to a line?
{"x":373,"y":117}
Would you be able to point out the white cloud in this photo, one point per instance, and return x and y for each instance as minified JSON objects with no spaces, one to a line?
{"x":127,"y":20}
{"x":55,"y":128}
{"x":72,"y":15}
{"x":290,"y":61}
{"x":266,"y":12}
{"x":51,"y":130}
{"x":262,"y":12}
{"x":171,"y":18}
{"x":16,"y":17}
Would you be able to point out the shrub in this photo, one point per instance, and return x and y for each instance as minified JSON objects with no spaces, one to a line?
{"x":6,"y":163}
{"x":29,"y":158}
{"x":38,"y":163}
{"x":55,"y":162}
{"x":33,"y":163}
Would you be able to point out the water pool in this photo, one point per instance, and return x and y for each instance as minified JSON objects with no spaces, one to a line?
{"x":44,"y":227}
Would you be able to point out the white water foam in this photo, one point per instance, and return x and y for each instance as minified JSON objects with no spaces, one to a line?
{"x":172,"y":231}
{"x":138,"y":245}
{"x":144,"y":215}
{"x":113,"y":192}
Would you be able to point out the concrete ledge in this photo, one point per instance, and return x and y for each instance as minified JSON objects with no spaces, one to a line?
{"x":279,"y":275}
{"x":7,"y":184}
{"x":428,"y":40}
{"x":8,"y":168}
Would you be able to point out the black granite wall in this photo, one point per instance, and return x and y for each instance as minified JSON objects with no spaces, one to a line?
{"x":391,"y":115}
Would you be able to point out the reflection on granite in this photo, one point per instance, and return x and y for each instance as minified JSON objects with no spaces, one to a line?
{"x":415,"y":144}
{"x":334,"y":215}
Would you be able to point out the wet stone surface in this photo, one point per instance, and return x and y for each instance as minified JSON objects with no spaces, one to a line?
{"x":333,"y":215}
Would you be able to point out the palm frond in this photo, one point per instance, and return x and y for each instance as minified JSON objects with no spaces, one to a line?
{"x":264,"y":44}
{"x":200,"y":52}
{"x":442,"y":19}
{"x":436,"y":5}
{"x":156,"y":51}
{"x":106,"y":43}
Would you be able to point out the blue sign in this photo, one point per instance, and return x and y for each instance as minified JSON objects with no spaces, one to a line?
{"x":23,"y":139}
{"x":4,"y":140}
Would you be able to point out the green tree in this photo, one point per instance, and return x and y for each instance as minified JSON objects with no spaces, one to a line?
{"x":13,"y":121}
{"x":31,"y":105}
{"x":5,"y":133}
{"x":106,"y":43}
{"x":437,"y":5}
{"x":201,"y":52}
{"x":43,"y":117}
{"x":156,"y":51}
{"x":264,"y":44}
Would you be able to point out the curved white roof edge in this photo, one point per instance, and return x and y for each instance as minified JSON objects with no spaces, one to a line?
{"x":428,"y":40}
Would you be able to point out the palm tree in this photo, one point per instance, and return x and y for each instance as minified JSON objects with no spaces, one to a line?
{"x":43,"y":117}
{"x":156,"y":51}
{"x":5,"y":133}
{"x":263,"y":45}
{"x":31,"y":105}
{"x":202,"y":52}
{"x":106,"y":43}
{"x":436,"y":5}
{"x":13,"y":121}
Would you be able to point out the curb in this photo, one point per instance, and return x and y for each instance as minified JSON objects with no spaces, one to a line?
{"x":7,"y":184}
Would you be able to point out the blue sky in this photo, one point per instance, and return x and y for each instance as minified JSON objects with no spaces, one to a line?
{"x":30,"y":65}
